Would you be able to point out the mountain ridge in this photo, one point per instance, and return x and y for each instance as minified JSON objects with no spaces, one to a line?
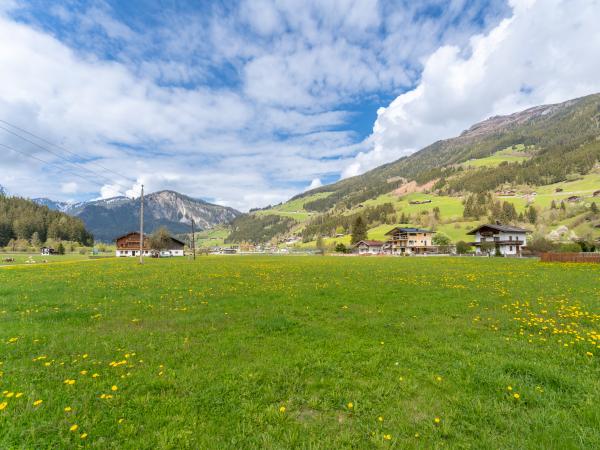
{"x":109,"y":218}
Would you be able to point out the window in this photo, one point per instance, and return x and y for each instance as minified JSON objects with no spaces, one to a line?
{"x":511,"y":248}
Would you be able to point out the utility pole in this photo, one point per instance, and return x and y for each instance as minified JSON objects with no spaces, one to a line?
{"x":193,"y":240}
{"x":142,"y":226}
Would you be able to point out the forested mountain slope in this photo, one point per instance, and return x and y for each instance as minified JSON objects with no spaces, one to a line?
{"x":546,"y":145}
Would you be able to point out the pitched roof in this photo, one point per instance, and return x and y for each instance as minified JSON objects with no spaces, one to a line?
{"x":370,"y":243}
{"x":408,"y":230}
{"x":499,"y":227}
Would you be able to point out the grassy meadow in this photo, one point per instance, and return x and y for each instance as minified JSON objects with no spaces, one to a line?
{"x":300,"y":352}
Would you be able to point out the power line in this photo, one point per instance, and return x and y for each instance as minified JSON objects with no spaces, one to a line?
{"x":46,"y":162}
{"x":65,"y":150}
{"x":76,"y":165}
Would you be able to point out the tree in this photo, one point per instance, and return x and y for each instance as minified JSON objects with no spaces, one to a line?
{"x":160,"y":239}
{"x":553,"y":205}
{"x":462,"y":247}
{"x":341,"y":248}
{"x":562,"y":205}
{"x":359,"y":230}
{"x":487,"y":247}
{"x":60,"y":249}
{"x":436,"y":213}
{"x":594,"y":208}
{"x":532,"y":214}
{"x":35,"y":240}
{"x":321,"y":245}
{"x":442,"y":241}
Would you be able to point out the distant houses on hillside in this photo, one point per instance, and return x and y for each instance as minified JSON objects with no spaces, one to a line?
{"x":128,"y":245}
{"x":501,"y":239}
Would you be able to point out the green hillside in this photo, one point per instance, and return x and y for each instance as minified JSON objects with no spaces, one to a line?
{"x":534,"y":159}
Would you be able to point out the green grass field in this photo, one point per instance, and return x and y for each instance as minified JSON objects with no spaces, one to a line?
{"x":26,"y":258}
{"x":300,"y":352}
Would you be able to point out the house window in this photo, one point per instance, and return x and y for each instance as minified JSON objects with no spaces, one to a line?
{"x":511,"y":248}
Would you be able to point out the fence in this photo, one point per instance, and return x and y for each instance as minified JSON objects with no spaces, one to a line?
{"x":571,"y":257}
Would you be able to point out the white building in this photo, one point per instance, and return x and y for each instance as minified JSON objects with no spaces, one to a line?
{"x":507,"y":240}
{"x":129,"y":245}
{"x":369,"y":247}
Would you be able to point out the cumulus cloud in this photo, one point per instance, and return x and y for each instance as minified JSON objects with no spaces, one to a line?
{"x":546,"y":52}
{"x":243,"y":106}
{"x":315,"y":183}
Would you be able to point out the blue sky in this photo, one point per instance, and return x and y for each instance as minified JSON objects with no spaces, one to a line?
{"x":248,"y":103}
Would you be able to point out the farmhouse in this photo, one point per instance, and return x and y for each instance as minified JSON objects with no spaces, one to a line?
{"x":507,"y":240}
{"x":410,"y":241}
{"x":129,"y":245}
{"x":368,"y":247}
{"x":48,"y":251}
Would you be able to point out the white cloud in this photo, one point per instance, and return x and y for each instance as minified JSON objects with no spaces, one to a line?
{"x":547,"y":52}
{"x":242,"y":108}
{"x":315,"y":183}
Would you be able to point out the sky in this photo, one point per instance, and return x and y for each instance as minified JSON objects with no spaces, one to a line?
{"x":248,"y":103}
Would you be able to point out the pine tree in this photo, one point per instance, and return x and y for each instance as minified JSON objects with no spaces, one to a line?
{"x":553,"y":205}
{"x":594,"y":208}
{"x":359,"y":230}
{"x":532,"y":214}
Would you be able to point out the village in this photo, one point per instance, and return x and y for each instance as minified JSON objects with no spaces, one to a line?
{"x":489,"y":239}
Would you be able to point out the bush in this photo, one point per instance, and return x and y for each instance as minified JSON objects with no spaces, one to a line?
{"x":341,"y":248}
{"x":462,"y":247}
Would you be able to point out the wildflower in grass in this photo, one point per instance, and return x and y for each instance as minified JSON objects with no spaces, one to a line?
{"x":350,"y":405}
{"x":282,"y":409}
{"x":417,"y":435}
{"x":68,"y":409}
{"x":516,"y":396}
{"x":114,"y":388}
{"x":74,"y":427}
{"x":83,"y":435}
{"x":69,"y":382}
{"x":437,"y":421}
{"x":96,"y":375}
{"x":380,"y":418}
{"x":83,"y":372}
{"x":589,"y":353}
{"x":387,"y":437}
{"x":121,"y":420}
{"x":3,"y":405}
{"x":18,"y":395}
{"x":37,"y":402}
{"x":509,"y":388}
{"x":438,"y":379}
{"x":10,"y":394}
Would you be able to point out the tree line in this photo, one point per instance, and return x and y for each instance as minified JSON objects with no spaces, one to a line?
{"x":22,"y":219}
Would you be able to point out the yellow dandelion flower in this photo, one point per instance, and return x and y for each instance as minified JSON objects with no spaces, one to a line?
{"x":437,"y":420}
{"x":83,"y":435}
{"x":68,"y":409}
{"x":121,"y":420}
{"x":589,"y":353}
{"x":114,"y":388}
{"x":387,"y":437}
{"x":282,"y":409}
{"x":83,"y":372}
{"x":417,"y":435}
{"x":96,"y":375}
{"x":438,"y":378}
{"x":380,"y":418}
{"x":509,"y":388}
{"x":18,"y":395}
{"x":10,"y":394}
{"x":350,"y":405}
{"x":516,"y":396}
{"x":37,"y":402}
{"x":74,"y":427}
{"x":3,"y":405}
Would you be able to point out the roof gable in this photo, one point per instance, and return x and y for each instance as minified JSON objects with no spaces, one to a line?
{"x":498,"y":227}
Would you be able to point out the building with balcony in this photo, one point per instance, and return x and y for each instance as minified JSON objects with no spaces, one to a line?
{"x":499,"y":239}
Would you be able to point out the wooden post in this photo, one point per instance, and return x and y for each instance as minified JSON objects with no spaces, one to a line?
{"x":142,"y":226}
{"x":193,"y":240}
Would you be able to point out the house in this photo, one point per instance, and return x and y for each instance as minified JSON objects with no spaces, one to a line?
{"x":129,"y":245}
{"x":368,"y":247}
{"x":419,"y":202}
{"x":596,"y":193}
{"x":507,"y":240}
{"x":573,"y":199}
{"x":410,"y":241}
{"x":48,"y":251}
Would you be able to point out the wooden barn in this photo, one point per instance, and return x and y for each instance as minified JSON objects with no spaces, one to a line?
{"x":129,"y":245}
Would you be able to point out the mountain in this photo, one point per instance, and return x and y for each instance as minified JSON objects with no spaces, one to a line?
{"x":110,"y":218}
{"x":554,"y":145}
